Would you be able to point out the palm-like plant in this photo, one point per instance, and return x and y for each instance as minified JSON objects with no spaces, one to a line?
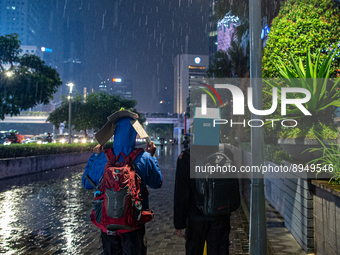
{"x":330,"y":161}
{"x":314,"y":77}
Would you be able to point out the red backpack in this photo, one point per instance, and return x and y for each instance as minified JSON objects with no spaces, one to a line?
{"x":118,"y":205}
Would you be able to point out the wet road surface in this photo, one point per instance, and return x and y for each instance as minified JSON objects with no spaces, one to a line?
{"x":48,"y":213}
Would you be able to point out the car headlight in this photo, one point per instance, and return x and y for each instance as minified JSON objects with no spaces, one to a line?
{"x":7,"y":143}
{"x":91,"y":140}
{"x":83,"y":140}
{"x":76,"y":140}
{"x":62,"y":140}
{"x":39,"y":142}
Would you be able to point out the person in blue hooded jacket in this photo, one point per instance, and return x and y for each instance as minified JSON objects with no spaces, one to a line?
{"x":146,"y":166}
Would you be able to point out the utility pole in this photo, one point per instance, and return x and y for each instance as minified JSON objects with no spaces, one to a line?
{"x":258,"y":228}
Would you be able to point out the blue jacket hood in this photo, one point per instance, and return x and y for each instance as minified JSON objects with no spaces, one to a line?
{"x":124,"y":137}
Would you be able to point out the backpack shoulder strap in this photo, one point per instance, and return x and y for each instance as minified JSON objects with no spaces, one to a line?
{"x":110,"y":155}
{"x":134,"y":154}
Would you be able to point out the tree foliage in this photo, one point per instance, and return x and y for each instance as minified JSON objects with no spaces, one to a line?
{"x":161,"y":130}
{"x":92,"y":114}
{"x":221,"y":66}
{"x":240,"y":8}
{"x":25,"y":80}
{"x":234,"y":62}
{"x":302,"y":24}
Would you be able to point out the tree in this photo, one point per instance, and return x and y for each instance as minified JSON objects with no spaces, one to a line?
{"x":240,"y":8}
{"x":221,"y":66}
{"x":161,"y":130}
{"x":302,"y":24}
{"x":25,"y":80}
{"x":60,"y":115}
{"x":92,"y":114}
{"x":100,"y":105}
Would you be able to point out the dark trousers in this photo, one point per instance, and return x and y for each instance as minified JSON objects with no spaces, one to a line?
{"x":130,"y":243}
{"x":215,"y":232}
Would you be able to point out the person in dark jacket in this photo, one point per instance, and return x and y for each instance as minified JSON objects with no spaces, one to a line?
{"x":199,"y":228}
{"x":186,"y":143}
{"x":146,"y":166}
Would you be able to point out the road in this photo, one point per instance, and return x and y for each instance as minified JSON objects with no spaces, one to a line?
{"x":48,"y":213}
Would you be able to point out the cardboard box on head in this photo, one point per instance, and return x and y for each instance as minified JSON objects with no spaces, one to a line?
{"x":107,"y":131}
{"x":140,"y":130}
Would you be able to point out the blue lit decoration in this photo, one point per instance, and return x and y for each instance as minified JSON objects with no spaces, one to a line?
{"x":265,"y":31}
{"x":44,"y":49}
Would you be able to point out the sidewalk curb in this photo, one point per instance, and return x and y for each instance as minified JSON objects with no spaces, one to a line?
{"x":246,"y":211}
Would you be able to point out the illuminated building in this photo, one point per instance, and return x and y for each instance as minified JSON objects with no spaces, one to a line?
{"x":189,"y":69}
{"x":20,"y":17}
{"x":117,"y":86}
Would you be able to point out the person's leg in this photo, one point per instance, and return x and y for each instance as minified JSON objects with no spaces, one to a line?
{"x":134,"y":242}
{"x":218,"y":237}
{"x":195,"y":237}
{"x":111,"y":244}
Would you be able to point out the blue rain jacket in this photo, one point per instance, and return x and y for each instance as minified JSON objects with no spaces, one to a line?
{"x":124,"y":141}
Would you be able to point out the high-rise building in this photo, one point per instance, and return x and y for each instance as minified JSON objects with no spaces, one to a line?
{"x":189,"y":70}
{"x":212,"y":32}
{"x":73,"y":56}
{"x":20,"y":17}
{"x":117,"y":86}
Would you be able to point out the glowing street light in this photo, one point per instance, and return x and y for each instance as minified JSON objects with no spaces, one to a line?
{"x":70,"y":112}
{"x":9,"y":73}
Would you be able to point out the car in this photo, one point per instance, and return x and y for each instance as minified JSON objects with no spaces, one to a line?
{"x":79,"y":139}
{"x":35,"y":139}
{"x":61,"y":138}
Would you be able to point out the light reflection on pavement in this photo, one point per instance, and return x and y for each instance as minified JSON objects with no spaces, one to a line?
{"x":48,"y":212}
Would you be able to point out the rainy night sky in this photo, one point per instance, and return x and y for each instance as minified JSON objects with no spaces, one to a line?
{"x":130,"y":39}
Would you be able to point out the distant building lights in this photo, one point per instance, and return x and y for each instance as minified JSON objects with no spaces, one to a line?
{"x":117,"y":80}
{"x":44,"y":49}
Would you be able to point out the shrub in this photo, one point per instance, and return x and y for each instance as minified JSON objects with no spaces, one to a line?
{"x":305,"y":130}
{"x":299,"y":25}
{"x":280,"y":155}
{"x":330,"y":161}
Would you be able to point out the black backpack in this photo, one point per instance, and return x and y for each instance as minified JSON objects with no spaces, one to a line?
{"x":217,"y":196}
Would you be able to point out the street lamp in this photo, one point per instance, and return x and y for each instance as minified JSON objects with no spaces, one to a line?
{"x":70,"y":112}
{"x":9,"y":73}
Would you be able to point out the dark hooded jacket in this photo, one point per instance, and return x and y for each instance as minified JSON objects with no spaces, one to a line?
{"x":124,"y":141}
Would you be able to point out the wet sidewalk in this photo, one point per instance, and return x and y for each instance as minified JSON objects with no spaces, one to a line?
{"x":48,"y":213}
